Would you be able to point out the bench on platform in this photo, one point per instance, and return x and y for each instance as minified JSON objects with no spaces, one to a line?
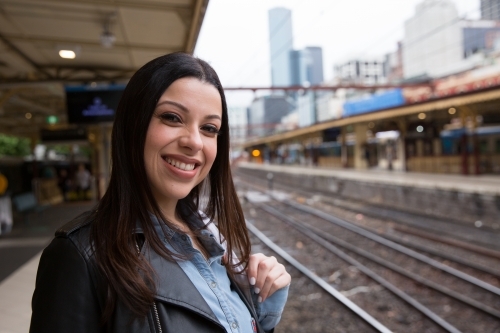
{"x":26,"y":203}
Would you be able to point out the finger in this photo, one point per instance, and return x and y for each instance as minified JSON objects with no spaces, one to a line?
{"x":282,"y":281}
{"x":253,"y":267}
{"x":276,"y":279}
{"x":263,"y":269}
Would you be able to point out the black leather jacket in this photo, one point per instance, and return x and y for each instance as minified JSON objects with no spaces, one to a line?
{"x":70,"y":293}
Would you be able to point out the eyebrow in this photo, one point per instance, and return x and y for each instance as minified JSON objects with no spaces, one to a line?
{"x":185,"y":109}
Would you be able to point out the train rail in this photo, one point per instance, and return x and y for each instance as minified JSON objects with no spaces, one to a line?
{"x":359,"y":312}
{"x":405,"y":228}
{"x":481,"y":297}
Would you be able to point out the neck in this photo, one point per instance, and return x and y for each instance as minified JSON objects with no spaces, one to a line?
{"x":169,"y":211}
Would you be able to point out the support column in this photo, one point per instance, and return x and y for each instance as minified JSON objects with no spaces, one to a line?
{"x":475,"y":144}
{"x":360,"y":161}
{"x":401,"y":145}
{"x":343,"y":148}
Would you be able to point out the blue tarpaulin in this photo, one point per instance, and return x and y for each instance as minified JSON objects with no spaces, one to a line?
{"x":375,"y":102}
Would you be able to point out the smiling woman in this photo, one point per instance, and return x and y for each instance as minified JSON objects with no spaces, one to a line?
{"x":149,"y":257}
{"x":181,"y":141}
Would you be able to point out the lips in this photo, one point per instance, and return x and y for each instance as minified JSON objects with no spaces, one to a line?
{"x":180,"y":165}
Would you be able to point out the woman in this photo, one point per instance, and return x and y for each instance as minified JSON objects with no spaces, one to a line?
{"x":147,"y":259}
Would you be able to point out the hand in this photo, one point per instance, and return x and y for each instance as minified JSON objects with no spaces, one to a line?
{"x":266,"y":275}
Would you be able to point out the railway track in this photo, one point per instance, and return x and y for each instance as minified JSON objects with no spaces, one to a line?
{"x":451,"y":300}
{"x":420,"y":221}
{"x":356,"y":313}
{"x":462,"y":254}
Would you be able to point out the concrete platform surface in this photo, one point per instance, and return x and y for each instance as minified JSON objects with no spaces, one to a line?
{"x":15,"y":298}
{"x":19,"y":256}
{"x":484,"y":184}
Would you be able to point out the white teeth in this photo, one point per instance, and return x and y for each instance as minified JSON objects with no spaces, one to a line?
{"x":180,"y":165}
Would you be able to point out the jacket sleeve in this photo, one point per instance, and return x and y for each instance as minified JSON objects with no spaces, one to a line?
{"x":65,"y":299}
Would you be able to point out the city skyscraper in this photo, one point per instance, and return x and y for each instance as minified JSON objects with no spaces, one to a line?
{"x":306,"y":66}
{"x":281,"y":43}
{"x":425,"y":35}
{"x":490,"y":10}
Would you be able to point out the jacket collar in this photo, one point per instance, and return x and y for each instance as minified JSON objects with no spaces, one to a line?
{"x":172,"y":283}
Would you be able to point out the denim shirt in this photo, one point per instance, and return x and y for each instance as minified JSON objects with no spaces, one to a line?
{"x":211,"y":279}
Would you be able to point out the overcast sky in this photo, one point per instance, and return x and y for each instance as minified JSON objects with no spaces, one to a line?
{"x":234,"y":37}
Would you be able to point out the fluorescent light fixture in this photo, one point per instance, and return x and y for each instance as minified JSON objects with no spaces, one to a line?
{"x":67,"y":54}
{"x":387,"y":135}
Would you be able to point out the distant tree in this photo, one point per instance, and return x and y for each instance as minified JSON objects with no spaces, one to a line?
{"x":62,"y":149}
{"x":14,"y":146}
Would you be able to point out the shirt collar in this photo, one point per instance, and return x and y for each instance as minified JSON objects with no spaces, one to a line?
{"x":208,"y":239}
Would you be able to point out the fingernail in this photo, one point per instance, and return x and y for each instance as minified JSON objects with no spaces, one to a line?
{"x":252,"y":281}
{"x":259,"y":299}
{"x":256,"y":290}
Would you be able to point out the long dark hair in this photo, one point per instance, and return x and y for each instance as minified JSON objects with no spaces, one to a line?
{"x":129,"y":198}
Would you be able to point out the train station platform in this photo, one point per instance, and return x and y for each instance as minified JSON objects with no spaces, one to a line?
{"x":19,"y":255}
{"x":486,"y":184}
{"x":466,"y":198}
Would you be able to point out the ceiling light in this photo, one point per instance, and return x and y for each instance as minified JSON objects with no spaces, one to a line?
{"x":67,"y":54}
{"x":107,"y":39}
{"x":67,"y":51}
{"x":421,"y":116}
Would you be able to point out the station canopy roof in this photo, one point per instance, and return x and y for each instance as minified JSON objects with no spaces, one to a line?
{"x":111,"y":39}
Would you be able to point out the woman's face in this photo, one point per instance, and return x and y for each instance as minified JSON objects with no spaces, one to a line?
{"x":181,"y":141}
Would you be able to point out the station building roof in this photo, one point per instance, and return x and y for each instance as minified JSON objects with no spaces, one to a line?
{"x":480,"y":101}
{"x":111,"y":39}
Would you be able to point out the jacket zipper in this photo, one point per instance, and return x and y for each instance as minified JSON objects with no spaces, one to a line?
{"x":157,"y":317}
{"x":154,"y":304}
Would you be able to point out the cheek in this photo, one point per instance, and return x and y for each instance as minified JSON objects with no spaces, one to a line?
{"x":150,"y":150}
{"x":211,"y":152}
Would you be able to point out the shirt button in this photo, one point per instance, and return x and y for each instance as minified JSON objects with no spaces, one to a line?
{"x":234,"y":325}
{"x":184,"y":237}
{"x":213,"y":284}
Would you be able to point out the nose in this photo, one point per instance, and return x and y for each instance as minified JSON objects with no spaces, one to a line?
{"x":191,"y":139}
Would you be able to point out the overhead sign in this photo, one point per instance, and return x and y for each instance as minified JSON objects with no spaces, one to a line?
{"x":88,"y":104}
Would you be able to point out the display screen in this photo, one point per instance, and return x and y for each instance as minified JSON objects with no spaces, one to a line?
{"x":87,"y":104}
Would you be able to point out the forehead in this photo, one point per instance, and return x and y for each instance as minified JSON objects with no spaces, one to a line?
{"x":192,"y":94}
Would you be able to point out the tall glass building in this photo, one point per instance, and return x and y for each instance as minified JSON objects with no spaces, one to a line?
{"x":306,"y":66}
{"x":281,"y":43}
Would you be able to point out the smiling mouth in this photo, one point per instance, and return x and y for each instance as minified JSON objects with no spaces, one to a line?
{"x":180,"y":165}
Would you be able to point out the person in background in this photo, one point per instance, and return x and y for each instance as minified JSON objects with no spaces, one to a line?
{"x":149,"y":257}
{"x":64,"y":182}
{"x":83,"y":178}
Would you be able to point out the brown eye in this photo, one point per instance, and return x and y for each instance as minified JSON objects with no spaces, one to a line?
{"x":170,"y":117}
{"x":210,"y":129}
